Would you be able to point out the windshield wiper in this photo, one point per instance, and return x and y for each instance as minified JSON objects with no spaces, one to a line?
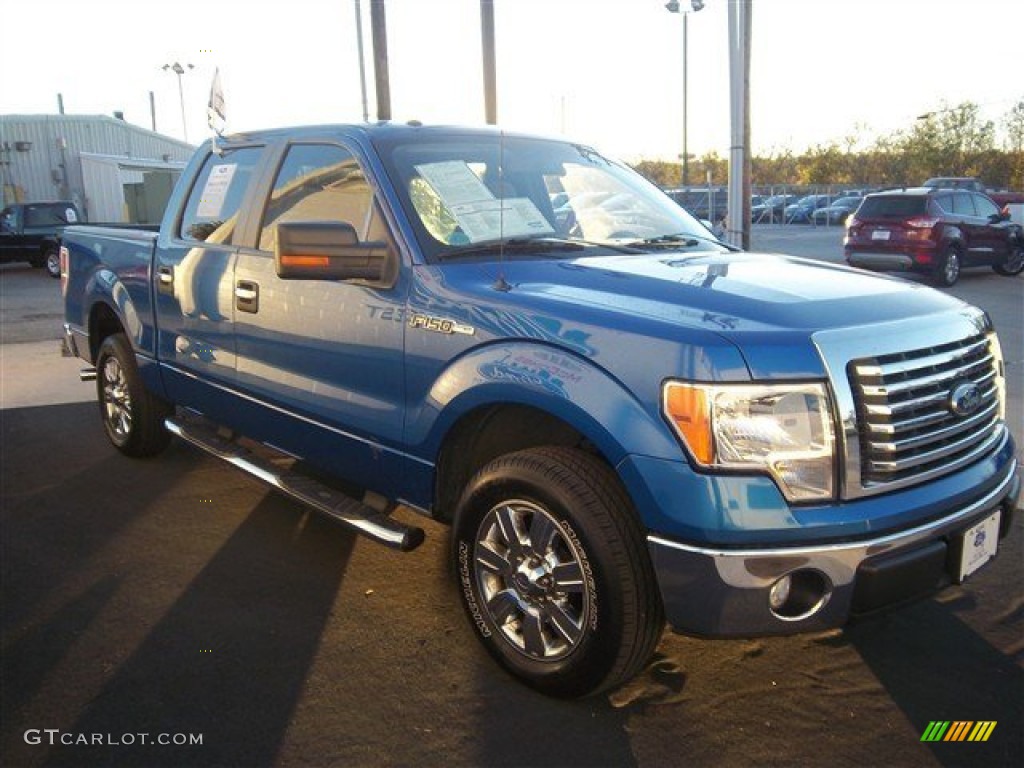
{"x":529,"y":245}
{"x":680,"y":240}
{"x":684,"y":239}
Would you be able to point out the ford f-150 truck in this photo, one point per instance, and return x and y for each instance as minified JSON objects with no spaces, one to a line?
{"x":623,"y":420}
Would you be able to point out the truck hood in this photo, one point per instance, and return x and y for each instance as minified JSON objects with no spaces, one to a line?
{"x":768,"y":305}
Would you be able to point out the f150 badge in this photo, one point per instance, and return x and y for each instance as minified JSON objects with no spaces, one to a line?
{"x":440,"y":325}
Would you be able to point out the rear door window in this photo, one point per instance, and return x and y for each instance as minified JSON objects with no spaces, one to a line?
{"x":211,"y":214}
{"x":963,"y":204}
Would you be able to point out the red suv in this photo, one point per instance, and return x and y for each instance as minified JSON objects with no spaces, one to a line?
{"x":933,"y":231}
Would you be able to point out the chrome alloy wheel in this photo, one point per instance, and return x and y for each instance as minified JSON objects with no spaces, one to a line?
{"x":951,"y":269}
{"x":117,"y":402}
{"x":533,"y":577}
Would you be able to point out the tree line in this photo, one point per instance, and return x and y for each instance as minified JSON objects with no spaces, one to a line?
{"x":952,"y":141}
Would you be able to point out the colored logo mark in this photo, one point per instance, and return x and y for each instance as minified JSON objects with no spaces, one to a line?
{"x":958,"y":730}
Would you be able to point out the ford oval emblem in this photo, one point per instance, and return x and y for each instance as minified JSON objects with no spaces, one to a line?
{"x":965,"y":399}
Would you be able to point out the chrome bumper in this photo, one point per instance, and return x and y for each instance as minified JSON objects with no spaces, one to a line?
{"x":69,"y":348}
{"x":884,"y":261}
{"x":725,"y":593}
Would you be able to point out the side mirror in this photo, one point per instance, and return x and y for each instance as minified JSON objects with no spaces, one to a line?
{"x":995,"y":218}
{"x":330,"y":250}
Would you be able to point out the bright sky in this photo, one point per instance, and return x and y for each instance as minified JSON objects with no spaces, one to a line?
{"x":606,"y":72}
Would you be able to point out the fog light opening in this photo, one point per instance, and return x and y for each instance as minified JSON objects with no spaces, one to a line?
{"x":798,"y":595}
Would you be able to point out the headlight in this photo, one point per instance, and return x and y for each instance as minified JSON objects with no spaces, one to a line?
{"x":784,"y":430}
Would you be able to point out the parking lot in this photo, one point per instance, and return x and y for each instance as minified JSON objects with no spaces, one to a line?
{"x":177,"y":598}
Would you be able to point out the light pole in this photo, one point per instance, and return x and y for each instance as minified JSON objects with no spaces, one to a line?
{"x":179,"y":70}
{"x":673,"y":7}
{"x":362,"y":60}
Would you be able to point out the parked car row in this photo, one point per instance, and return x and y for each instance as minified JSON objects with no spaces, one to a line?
{"x":817,"y":209}
{"x":708,"y":204}
{"x":837,"y":212}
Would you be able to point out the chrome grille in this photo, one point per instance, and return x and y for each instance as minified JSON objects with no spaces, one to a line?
{"x":906,"y":423}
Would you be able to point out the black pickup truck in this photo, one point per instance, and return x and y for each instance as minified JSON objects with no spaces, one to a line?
{"x":30,"y":232}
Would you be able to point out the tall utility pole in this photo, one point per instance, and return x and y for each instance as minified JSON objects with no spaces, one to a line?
{"x":378,"y":25}
{"x":673,"y":7}
{"x":490,"y":69}
{"x":738,"y":219}
{"x":179,"y":70}
{"x":362,"y":61}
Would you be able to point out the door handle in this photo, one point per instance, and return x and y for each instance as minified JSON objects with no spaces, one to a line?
{"x":165,"y":280}
{"x":247,"y":296}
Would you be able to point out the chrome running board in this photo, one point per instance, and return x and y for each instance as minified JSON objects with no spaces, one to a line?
{"x":303,"y":488}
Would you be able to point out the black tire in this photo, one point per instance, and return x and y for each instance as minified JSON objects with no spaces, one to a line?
{"x":132,"y":416}
{"x":553,"y":571}
{"x":1014,"y":263}
{"x":948,"y":270}
{"x":51,"y":261}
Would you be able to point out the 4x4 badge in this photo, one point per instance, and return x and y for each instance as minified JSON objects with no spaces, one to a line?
{"x":965,"y":399}
{"x":440,"y":325}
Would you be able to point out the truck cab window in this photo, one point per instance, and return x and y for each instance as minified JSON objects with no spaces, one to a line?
{"x":321,"y":182}
{"x":212,"y":210}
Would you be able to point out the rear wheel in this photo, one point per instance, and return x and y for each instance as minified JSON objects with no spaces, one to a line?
{"x":949,"y":268}
{"x":1014,"y":263}
{"x":132,"y":416}
{"x":554,"y":573}
{"x":51,"y":261}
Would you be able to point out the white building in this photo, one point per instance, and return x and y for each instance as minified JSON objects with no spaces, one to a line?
{"x":112,"y":170}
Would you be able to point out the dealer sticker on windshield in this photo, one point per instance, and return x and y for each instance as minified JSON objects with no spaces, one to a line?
{"x":980,"y":542}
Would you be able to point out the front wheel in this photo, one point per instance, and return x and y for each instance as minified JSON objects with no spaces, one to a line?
{"x":554,"y":573}
{"x":1014,"y":263}
{"x":132,"y":416}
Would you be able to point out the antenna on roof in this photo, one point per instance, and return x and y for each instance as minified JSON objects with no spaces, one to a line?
{"x":500,"y":283}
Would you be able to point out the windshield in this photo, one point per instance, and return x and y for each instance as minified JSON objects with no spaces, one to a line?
{"x":464,"y":192}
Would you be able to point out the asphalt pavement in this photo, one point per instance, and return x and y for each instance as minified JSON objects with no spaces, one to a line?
{"x":177,"y":600}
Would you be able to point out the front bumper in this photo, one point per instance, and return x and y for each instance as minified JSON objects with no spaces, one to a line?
{"x":720,"y":592}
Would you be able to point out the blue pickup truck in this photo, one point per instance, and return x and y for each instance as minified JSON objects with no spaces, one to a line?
{"x":624,"y":421}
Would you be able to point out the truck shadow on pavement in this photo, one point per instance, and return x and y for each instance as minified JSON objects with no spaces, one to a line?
{"x":111,"y":622}
{"x":937,"y":668}
{"x":178,"y":596}
{"x":230,"y":658}
{"x":55,"y":514}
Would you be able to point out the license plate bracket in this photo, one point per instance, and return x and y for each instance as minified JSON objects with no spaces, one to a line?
{"x":979,"y":544}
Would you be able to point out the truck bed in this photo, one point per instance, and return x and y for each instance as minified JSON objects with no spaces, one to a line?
{"x":112,"y":264}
